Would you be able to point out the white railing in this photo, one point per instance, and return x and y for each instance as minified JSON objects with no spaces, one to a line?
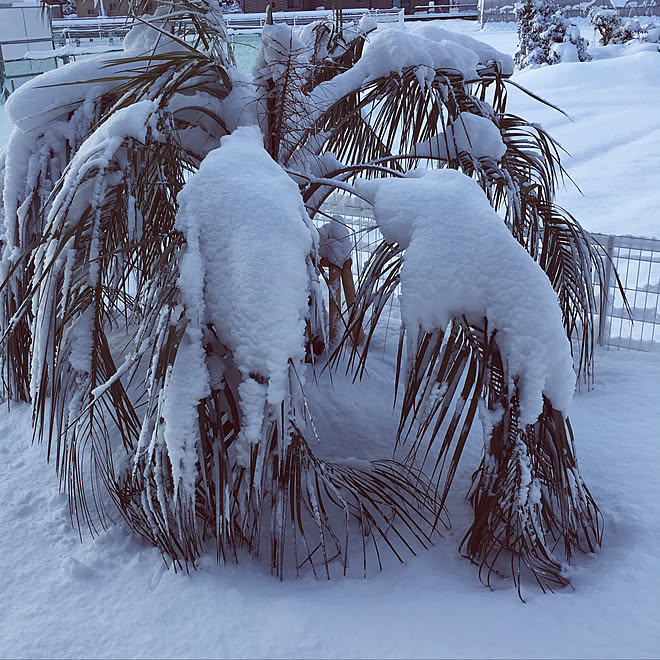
{"x":73,"y":30}
{"x":637,"y":263}
{"x":257,"y":21}
{"x":446,"y":9}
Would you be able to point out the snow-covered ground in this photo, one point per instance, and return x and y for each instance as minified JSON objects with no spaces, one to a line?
{"x":113,"y":597}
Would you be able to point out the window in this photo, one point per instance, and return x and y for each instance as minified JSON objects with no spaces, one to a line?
{"x":294,"y":4}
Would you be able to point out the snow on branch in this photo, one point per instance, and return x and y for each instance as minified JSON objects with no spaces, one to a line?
{"x":244,"y":268}
{"x":461,"y":260}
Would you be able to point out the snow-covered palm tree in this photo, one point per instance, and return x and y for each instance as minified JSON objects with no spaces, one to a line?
{"x":162,"y":304}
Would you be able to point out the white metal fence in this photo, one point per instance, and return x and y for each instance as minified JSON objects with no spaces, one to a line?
{"x":68,"y":30}
{"x":257,"y":21}
{"x":635,"y":260}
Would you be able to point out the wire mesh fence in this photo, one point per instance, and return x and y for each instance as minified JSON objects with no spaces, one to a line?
{"x":359,"y":220}
{"x":632,"y":263}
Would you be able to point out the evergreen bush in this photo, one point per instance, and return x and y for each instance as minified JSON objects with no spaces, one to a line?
{"x":546,"y":36}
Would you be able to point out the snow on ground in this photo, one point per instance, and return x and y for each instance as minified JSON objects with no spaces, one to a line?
{"x":113,"y":597}
{"x":613,"y":138}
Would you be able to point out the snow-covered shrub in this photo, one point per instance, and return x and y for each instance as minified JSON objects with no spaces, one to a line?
{"x":161,"y":302}
{"x":612,"y":29}
{"x":546,"y":36}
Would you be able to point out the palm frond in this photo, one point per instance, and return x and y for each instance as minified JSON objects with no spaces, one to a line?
{"x":287,"y":499}
{"x":382,"y":123}
{"x":527,"y":494}
{"x":530,"y":501}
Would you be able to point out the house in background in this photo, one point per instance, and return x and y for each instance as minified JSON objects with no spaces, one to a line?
{"x":89,"y":8}
{"x":259,"y":6}
{"x":409,"y":6}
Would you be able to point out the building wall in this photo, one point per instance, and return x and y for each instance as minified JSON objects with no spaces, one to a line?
{"x":409,"y":6}
{"x":259,"y":6}
{"x":87,"y":8}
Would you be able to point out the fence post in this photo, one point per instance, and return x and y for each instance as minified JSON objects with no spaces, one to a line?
{"x":605,"y":329}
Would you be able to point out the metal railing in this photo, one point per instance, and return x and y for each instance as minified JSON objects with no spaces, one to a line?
{"x":257,"y":21}
{"x":637,"y":262}
{"x":359,"y":220}
{"x":445,"y":9}
{"x":72,"y":30}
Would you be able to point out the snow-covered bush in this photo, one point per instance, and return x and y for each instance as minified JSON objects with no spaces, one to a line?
{"x":546,"y":36}
{"x":611,"y":28}
{"x":161,"y":302}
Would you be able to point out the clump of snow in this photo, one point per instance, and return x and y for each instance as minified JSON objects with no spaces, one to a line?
{"x":335,"y":242}
{"x":477,"y":135}
{"x":187,"y":385}
{"x":460,"y":260}
{"x":54,"y":93}
{"x":244,"y":269}
{"x":484,"y":51}
{"x":100,"y":147}
{"x":391,"y":51}
{"x":316,"y":36}
{"x":142,"y":38}
{"x":279,"y":42}
{"x":467,"y":133}
{"x":80,"y":357}
{"x":564,"y":52}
